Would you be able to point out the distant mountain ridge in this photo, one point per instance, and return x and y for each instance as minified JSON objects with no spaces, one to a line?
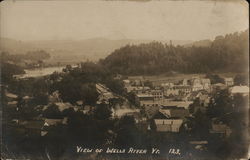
{"x":92,"y":49}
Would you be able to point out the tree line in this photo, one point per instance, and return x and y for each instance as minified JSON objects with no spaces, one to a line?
{"x":226,"y":53}
{"x":31,"y":55}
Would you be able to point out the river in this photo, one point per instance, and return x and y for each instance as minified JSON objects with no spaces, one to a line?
{"x":39,"y":72}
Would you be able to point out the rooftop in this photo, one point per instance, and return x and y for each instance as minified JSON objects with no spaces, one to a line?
{"x":240,"y":89}
{"x":144,"y":95}
{"x":12,"y":103}
{"x":11,"y":95}
{"x":184,"y":104}
{"x":168,"y":121}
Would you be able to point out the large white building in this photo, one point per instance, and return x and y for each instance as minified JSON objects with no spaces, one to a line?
{"x":244,"y":90}
{"x":229,"y":81}
{"x":200,"y":84}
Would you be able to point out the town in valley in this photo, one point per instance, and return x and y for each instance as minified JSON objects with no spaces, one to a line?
{"x":124,"y":80}
{"x":192,"y":112}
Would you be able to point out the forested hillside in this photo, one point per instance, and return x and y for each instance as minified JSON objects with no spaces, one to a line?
{"x":226,"y":53}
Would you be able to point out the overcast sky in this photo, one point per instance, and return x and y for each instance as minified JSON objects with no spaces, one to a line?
{"x":152,"y":20}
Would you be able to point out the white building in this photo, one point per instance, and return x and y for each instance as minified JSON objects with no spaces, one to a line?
{"x":229,"y":81}
{"x":206,"y":83}
{"x":200,"y":84}
{"x":157,"y":94}
{"x":244,"y":90}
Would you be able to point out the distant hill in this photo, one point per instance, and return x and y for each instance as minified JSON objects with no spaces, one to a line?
{"x":228,"y":53}
{"x":14,"y":46}
{"x":73,"y":50}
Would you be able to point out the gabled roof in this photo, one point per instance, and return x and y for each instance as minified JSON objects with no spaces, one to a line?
{"x":166,"y":113}
{"x":184,"y":104}
{"x":12,"y":103}
{"x":174,"y":112}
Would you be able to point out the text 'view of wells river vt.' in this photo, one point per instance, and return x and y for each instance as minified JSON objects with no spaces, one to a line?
{"x":124,"y":80}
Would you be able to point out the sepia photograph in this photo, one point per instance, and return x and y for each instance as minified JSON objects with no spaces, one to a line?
{"x":124,"y":80}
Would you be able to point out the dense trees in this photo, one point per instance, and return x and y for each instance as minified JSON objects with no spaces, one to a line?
{"x":80,"y":83}
{"x":214,"y":78}
{"x":36,"y":55}
{"x":233,"y":111}
{"x":102,"y":112}
{"x":73,"y":91}
{"x":149,"y":58}
{"x":226,"y":53}
{"x":131,"y":98}
{"x":241,"y":79}
{"x":33,"y":87}
{"x":221,"y":105}
{"x":8,"y":70}
{"x":52,"y":111}
{"x":127,"y":133}
{"x":89,"y":129}
{"x":201,"y":125}
{"x":115,"y":86}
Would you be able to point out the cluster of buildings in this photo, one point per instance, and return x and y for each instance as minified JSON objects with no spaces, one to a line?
{"x":182,"y":94}
{"x":167,"y":105}
{"x":39,"y":125}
